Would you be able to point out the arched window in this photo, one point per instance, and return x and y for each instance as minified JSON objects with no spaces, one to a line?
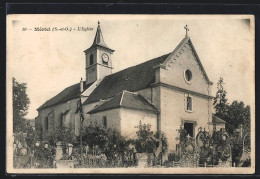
{"x":91,"y":59}
{"x":189,"y":103}
{"x":63,"y":120}
{"x":60,"y":120}
{"x":46,"y":123}
{"x":104,"y":121}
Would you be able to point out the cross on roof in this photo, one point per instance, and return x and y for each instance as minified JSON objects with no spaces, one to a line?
{"x":187,"y":29}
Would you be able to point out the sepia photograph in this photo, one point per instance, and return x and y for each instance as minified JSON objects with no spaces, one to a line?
{"x":130,"y":94}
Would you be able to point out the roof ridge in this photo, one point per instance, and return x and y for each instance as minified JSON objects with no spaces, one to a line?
{"x":148,"y":102}
{"x":198,"y":60}
{"x":122,"y":98}
{"x":116,"y":102}
{"x":123,"y":93}
{"x":135,"y":93}
{"x":139,"y":95}
{"x":107,"y":100}
{"x":177,"y":48}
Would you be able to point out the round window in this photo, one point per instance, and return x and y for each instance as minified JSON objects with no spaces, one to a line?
{"x":188,"y":75}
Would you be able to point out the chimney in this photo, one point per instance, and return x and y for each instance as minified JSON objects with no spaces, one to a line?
{"x":81,"y":85}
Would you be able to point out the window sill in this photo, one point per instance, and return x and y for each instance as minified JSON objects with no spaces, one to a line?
{"x":188,"y":111}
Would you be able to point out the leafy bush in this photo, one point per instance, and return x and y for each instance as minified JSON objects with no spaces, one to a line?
{"x":144,"y":143}
{"x":182,"y":135}
{"x":247,"y":163}
{"x":172,"y":157}
{"x":93,"y":135}
{"x":107,"y":140}
{"x":44,"y":155}
{"x":237,"y":147}
{"x":162,"y":135}
{"x":64,"y":135}
{"x":147,"y":141}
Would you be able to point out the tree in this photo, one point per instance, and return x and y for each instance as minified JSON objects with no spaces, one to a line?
{"x":31,"y":135}
{"x":235,"y":114}
{"x":220,"y":101}
{"x":238,"y":114}
{"x":20,"y":105}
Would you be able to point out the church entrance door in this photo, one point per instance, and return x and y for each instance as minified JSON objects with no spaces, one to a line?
{"x":189,"y":127}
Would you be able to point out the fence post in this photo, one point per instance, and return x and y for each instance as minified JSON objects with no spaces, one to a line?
{"x":69,"y":149}
{"x":31,"y":158}
{"x":205,"y":164}
{"x":234,"y":164}
{"x":58,"y":151}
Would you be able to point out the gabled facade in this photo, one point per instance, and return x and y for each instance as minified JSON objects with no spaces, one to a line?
{"x":168,"y":92}
{"x":184,"y":93}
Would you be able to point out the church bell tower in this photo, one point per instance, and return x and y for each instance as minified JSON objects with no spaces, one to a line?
{"x":98,"y":59}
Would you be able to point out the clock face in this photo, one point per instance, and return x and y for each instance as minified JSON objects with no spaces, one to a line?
{"x":105,"y":57}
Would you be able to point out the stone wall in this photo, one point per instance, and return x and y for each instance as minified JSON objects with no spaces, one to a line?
{"x":174,"y":114}
{"x":112,"y":117}
{"x":54,"y":114}
{"x":130,"y":120}
{"x":125,"y":120}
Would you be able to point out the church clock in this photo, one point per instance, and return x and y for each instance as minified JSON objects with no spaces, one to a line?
{"x":98,"y":59}
{"x":105,"y":57}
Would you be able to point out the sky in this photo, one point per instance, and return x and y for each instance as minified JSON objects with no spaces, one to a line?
{"x":49,"y":61}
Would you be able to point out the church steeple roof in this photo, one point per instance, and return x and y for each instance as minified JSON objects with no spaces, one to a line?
{"x":99,"y":39}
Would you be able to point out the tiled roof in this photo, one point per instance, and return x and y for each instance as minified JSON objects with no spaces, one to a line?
{"x":67,"y":94}
{"x":127,"y":100}
{"x":131,"y":79}
{"x":217,"y":120}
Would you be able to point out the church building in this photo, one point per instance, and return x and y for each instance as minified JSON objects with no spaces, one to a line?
{"x":167,"y":92}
